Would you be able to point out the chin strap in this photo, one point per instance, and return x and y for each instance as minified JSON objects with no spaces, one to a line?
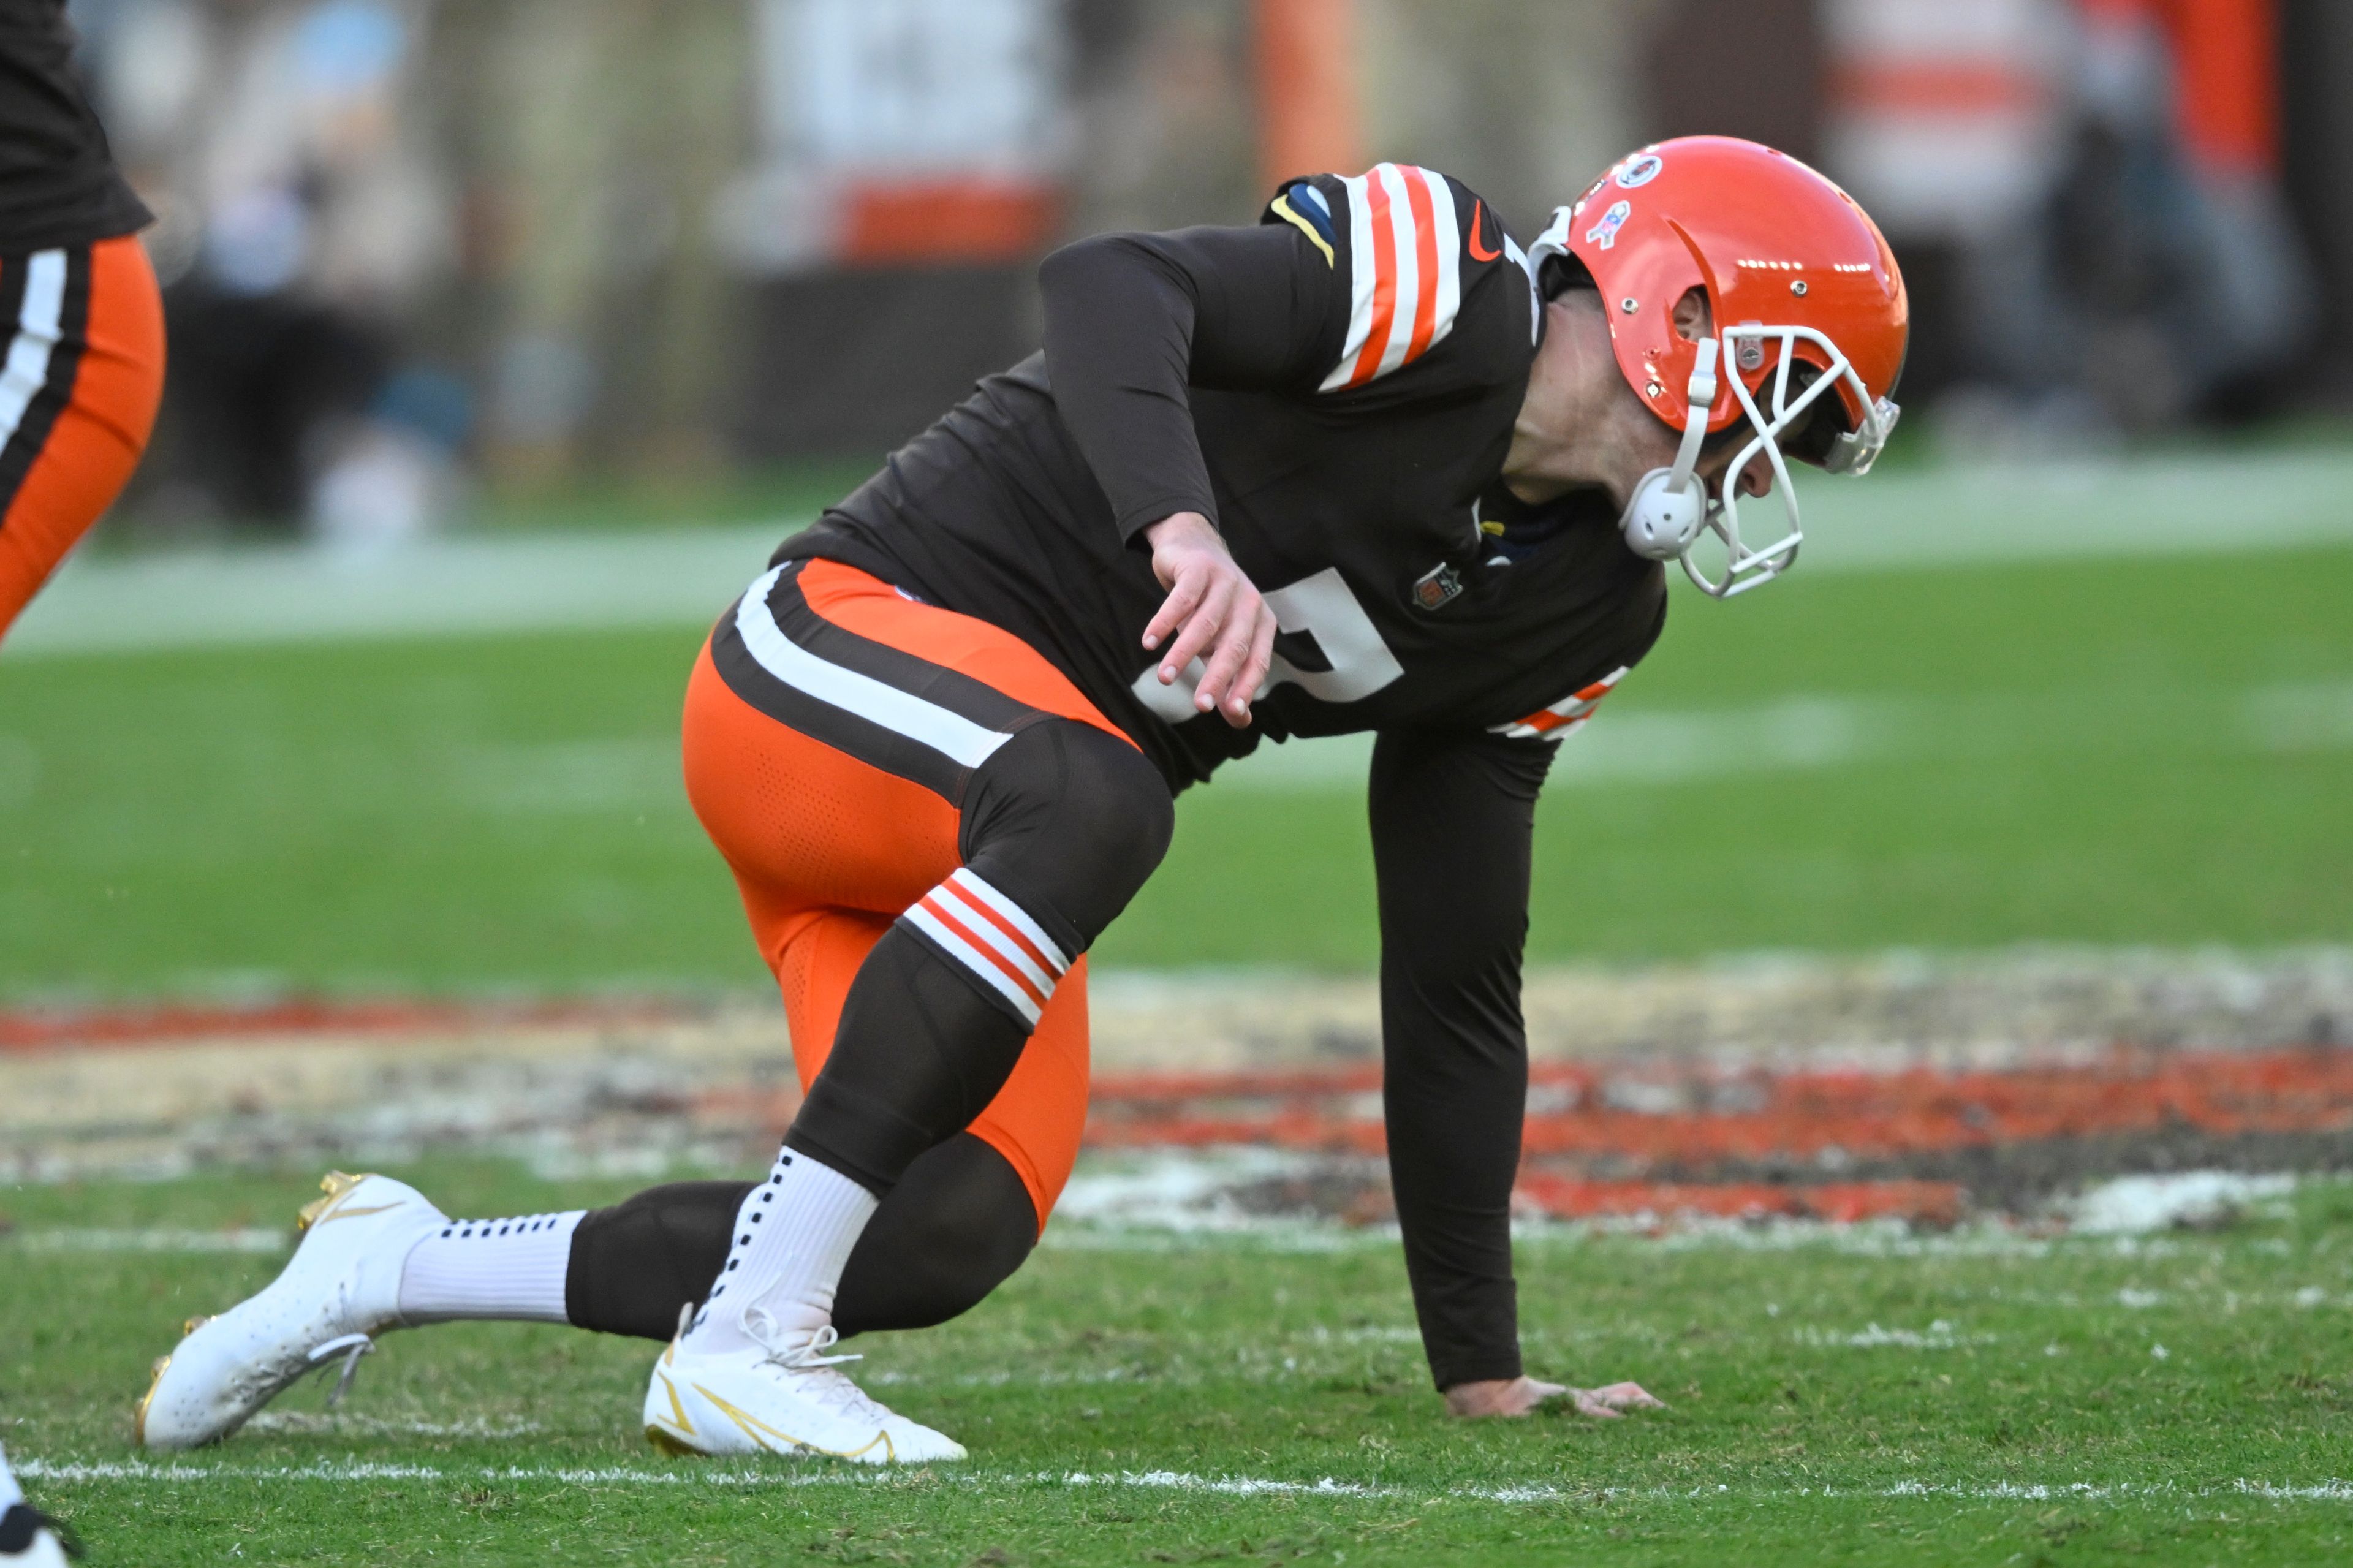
{"x":1699,"y":399}
{"x":1669,"y":506}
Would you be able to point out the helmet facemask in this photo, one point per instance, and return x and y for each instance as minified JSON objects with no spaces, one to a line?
{"x":1764,"y":239}
{"x":1670,"y":508}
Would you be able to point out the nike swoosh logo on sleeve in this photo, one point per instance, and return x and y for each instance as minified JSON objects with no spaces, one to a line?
{"x":1478,"y":210}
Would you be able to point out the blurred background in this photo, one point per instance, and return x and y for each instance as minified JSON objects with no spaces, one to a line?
{"x":508,"y":336}
{"x":432,"y":262}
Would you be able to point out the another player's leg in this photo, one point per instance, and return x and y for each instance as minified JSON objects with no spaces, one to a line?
{"x":84,"y":369}
{"x":28,"y":1538}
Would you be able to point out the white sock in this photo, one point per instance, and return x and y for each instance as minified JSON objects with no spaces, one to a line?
{"x":793,"y":1237}
{"x":11,"y":1493}
{"x":490,"y":1269}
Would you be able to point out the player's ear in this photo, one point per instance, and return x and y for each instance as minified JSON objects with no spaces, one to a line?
{"x":1694,"y":318}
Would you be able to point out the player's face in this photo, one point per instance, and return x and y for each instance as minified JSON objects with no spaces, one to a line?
{"x":1692,"y":322}
{"x":1756,"y":479}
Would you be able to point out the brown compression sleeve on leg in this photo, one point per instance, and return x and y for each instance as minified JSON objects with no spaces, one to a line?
{"x":955,"y":1228}
{"x":635,"y":1265}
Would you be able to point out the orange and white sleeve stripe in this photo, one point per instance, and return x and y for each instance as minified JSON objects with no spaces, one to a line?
{"x":1564,"y":717}
{"x":1405,"y":243}
{"x":995,"y":942}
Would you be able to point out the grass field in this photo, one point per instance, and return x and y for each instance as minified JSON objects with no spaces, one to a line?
{"x":1980,"y":1398}
{"x":2123,"y":749}
{"x":2150,"y":751}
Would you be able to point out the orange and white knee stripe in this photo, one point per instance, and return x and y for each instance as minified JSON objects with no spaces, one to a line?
{"x":994,"y":939}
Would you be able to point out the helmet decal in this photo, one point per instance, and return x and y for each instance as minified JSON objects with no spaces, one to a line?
{"x":1639,"y":170}
{"x":1605,"y":233}
{"x":1806,"y":308}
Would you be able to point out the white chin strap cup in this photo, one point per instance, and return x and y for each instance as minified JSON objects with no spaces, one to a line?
{"x":1662,"y":520}
{"x":1668,"y":506}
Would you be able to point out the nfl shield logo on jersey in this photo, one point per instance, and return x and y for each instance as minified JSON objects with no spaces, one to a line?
{"x":1436,"y":586}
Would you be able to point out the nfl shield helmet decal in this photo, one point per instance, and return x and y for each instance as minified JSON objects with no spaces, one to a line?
{"x":1639,"y":170}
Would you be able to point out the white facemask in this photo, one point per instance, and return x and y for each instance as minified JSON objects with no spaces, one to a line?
{"x":1670,"y":508}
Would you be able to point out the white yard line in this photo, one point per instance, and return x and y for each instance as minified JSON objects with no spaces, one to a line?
{"x":1812,"y":732}
{"x":684,"y":577}
{"x":441,"y":587}
{"x":175,"y":1473}
{"x":253,"y":1239}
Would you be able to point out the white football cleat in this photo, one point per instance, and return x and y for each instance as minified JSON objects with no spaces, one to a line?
{"x":781,"y":1397}
{"x":28,"y":1539}
{"x":339,"y":1290}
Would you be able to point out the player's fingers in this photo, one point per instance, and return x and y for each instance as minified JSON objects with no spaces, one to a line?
{"x":1175,"y":610}
{"x":1201,"y":628}
{"x":1628,"y":1396}
{"x":1223,"y":684}
{"x":1254,"y":668}
{"x":1588,"y":1405}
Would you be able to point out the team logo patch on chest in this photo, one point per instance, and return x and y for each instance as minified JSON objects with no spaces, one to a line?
{"x":1437,"y":587}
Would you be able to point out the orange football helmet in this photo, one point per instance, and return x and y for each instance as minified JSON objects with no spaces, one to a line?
{"x":1796,"y":274}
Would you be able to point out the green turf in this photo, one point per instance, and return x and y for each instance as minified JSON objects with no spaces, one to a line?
{"x":2147,"y":752}
{"x":2038,"y":1425}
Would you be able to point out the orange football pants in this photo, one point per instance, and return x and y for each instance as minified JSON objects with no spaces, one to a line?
{"x":84,"y":371}
{"x":827,"y":850}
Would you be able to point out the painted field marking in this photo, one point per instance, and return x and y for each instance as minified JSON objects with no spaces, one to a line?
{"x":2333,"y":1490}
{"x":250,"y":1239}
{"x":1814,"y":731}
{"x":683,"y":577}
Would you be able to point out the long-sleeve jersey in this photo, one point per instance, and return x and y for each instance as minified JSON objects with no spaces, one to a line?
{"x":59,"y":184}
{"x":1336,"y":390}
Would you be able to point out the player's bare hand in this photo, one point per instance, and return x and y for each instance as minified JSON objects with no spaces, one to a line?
{"x":1510,"y":1397}
{"x":1212,"y":613}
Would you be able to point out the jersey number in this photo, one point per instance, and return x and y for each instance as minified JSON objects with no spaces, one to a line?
{"x":1322,"y":607}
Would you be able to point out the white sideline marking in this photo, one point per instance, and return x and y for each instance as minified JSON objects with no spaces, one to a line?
{"x":255,"y":1239}
{"x":377,"y":1425}
{"x":2331,"y":1491}
{"x":682,"y":577}
{"x":441,"y":587}
{"x":1812,"y":732}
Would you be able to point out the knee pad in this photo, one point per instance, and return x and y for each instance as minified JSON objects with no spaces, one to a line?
{"x":1071,"y":816}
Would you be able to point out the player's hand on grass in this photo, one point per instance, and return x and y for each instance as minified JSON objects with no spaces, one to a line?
{"x":1213,"y":613}
{"x":1508,"y":1397}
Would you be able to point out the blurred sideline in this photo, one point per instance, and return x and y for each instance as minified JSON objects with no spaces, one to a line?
{"x":677,"y":578}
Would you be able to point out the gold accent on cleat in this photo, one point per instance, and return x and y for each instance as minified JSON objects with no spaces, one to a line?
{"x":337,"y":1186}
{"x":759,"y":1431}
{"x":335,"y":1183}
{"x":139,"y":1416}
{"x":664,"y":1443}
{"x":677,"y":1410}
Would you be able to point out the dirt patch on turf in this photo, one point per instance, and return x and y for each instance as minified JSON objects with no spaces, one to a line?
{"x":1907,"y":1088}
